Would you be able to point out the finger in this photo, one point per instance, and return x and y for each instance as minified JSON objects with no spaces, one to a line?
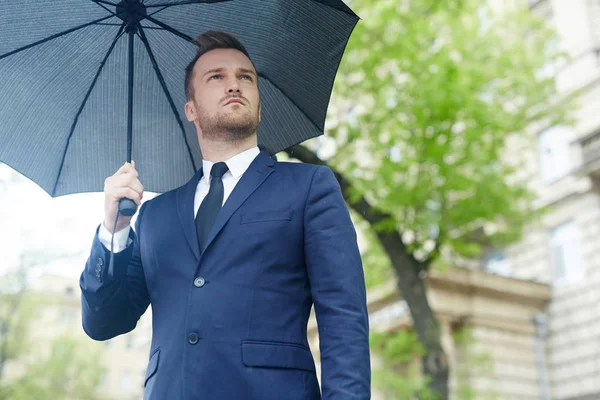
{"x":123,"y":168}
{"x":123,"y":180}
{"x":127,"y":167}
{"x":137,"y":186}
{"x":129,"y":193}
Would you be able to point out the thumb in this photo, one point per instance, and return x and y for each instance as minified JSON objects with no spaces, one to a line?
{"x":133,"y":163}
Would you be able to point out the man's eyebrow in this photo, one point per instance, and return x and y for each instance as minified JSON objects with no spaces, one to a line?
{"x":214,"y":70}
{"x":220,"y":69}
{"x":247,"y":71}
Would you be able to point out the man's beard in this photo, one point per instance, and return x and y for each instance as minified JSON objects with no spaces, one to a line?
{"x":230,"y":127}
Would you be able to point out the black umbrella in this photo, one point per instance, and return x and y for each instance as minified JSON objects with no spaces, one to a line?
{"x":85,"y":84}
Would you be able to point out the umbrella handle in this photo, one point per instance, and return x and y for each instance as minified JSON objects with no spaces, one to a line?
{"x":127,"y":207}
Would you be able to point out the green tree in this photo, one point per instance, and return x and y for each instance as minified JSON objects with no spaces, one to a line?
{"x":430,"y":100}
{"x":16,"y":311}
{"x":67,"y":368}
{"x":398,"y":378}
{"x":70,"y":371}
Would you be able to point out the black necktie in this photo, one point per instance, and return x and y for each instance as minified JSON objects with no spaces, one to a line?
{"x":207,"y":213}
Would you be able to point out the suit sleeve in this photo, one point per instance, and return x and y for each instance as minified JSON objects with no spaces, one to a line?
{"x":111,"y":306}
{"x":121,"y":238}
{"x":338,"y":289}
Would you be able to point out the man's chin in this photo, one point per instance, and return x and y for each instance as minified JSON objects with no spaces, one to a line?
{"x":237,"y":130}
{"x":230,"y":127}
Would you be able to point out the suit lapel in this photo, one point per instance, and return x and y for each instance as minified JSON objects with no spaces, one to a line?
{"x":255,"y":175}
{"x":185,"y":210}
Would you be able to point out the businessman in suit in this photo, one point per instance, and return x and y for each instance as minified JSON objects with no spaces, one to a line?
{"x":232,"y":261}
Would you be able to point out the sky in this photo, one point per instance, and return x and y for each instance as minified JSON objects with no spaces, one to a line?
{"x":32,"y":221}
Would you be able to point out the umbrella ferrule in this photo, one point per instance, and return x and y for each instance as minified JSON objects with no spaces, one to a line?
{"x":131,"y":12}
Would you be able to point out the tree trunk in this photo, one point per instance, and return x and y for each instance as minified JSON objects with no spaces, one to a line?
{"x":410,"y":284}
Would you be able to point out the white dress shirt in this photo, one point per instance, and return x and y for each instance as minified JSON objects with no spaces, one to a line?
{"x":237,"y":165}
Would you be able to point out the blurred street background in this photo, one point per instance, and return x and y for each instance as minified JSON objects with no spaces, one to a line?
{"x":466,"y":138}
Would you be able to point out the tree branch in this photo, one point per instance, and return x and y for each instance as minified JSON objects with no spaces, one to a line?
{"x":407,"y":270}
{"x":361,"y":205}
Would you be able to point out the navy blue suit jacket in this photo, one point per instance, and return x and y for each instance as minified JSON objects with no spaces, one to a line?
{"x":230,"y":323}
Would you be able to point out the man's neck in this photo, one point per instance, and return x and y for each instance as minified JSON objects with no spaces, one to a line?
{"x":217,"y":151}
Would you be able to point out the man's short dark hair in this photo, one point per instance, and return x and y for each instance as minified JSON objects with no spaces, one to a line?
{"x":208,"y":41}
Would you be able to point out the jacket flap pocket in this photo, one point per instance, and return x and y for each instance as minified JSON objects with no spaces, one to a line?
{"x":277,"y":355}
{"x":152,"y":366}
{"x":264,"y":216}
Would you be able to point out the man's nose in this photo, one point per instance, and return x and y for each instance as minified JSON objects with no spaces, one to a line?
{"x":233,"y":86}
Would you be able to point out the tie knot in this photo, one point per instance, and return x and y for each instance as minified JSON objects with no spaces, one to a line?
{"x":218,"y":170}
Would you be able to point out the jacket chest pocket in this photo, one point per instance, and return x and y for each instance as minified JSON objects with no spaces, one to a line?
{"x":273,"y":216}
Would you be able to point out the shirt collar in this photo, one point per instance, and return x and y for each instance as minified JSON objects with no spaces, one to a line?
{"x":237,"y":164}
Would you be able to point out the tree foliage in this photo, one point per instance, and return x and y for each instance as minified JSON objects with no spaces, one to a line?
{"x":425,"y":101}
{"x":399,"y":377}
{"x":432,"y":111}
{"x":57,"y":367}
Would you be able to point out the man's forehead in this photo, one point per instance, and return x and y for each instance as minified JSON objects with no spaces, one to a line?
{"x":223,"y":59}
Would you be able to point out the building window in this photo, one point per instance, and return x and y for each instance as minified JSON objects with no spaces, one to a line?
{"x":497,"y":263}
{"x":567,"y":260}
{"x":553,"y":153}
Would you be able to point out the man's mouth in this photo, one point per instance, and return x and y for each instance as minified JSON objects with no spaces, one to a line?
{"x":232,"y":101}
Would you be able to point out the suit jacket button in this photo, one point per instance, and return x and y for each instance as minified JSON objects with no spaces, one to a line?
{"x":100,"y":262}
{"x":199,"y":282}
{"x":193,"y":338}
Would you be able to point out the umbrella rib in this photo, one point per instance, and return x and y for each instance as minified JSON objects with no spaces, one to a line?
{"x":155,"y":12}
{"x":184,"y":2}
{"x":289,"y":98}
{"x":172,"y":30}
{"x":163,"y":84}
{"x":98,"y":2}
{"x":105,"y":2}
{"x":83,"y":103}
{"x":57,"y":35}
{"x":145,"y":27}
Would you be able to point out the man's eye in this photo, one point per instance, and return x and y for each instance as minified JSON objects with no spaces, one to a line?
{"x":248,"y":77}
{"x":216,"y":76}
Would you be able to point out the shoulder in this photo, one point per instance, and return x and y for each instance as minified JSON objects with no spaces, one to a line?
{"x":308,"y":176}
{"x":299,"y":168}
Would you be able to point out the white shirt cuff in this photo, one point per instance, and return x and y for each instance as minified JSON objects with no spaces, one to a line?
{"x":121,"y":240}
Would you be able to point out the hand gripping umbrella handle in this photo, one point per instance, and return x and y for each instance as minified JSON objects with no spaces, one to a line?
{"x":127,"y":207}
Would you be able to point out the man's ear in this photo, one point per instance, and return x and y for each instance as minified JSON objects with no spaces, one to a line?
{"x":190,"y":111}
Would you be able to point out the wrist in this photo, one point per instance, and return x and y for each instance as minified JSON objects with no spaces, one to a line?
{"x":120,"y":225}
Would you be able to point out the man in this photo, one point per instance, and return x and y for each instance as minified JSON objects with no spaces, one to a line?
{"x":233,"y":261}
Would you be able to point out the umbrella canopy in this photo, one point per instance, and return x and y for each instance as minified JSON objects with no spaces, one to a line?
{"x":88,"y":84}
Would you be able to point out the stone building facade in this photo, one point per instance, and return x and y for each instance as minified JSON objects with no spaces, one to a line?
{"x":503,"y":315}
{"x":556,"y":266}
{"x":563,"y":249}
